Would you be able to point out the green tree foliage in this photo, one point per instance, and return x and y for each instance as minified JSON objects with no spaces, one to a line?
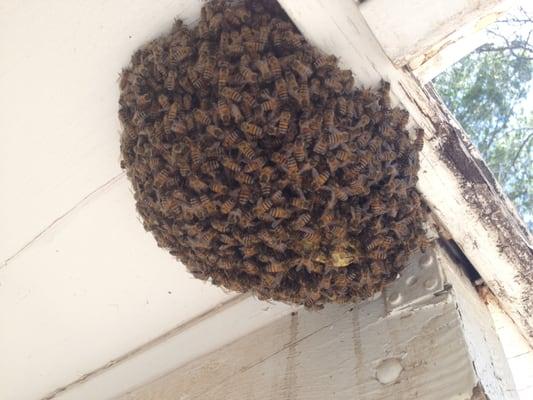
{"x":489,"y":92}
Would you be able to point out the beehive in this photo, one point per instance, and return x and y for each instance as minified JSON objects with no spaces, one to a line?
{"x":256,"y":162}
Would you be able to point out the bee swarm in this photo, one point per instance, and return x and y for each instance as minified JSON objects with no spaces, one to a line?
{"x":256,"y":162}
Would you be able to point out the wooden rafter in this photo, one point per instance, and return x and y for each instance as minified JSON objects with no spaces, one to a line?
{"x":455,"y":182}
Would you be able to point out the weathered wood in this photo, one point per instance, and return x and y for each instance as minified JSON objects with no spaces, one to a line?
{"x":439,"y":345}
{"x":455,"y":182}
{"x":430,"y":35}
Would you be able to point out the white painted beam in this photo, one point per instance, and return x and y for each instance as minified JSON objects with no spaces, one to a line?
{"x":59,"y":100}
{"x":427,"y":337}
{"x":92,"y":289}
{"x":455,"y":182}
{"x":429,"y":36}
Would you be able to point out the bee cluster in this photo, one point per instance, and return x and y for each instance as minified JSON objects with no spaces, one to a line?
{"x":256,"y":162}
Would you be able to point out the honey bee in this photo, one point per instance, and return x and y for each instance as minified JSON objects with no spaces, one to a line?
{"x":266,"y":175}
{"x":210,"y":166}
{"x":214,"y":131}
{"x":293,"y":40}
{"x":225,"y":264}
{"x":184,"y":83}
{"x":281,"y":89}
{"x":283,"y":124}
{"x":310,"y":235}
{"x":160,"y":179}
{"x":342,"y":105}
{"x":400,"y":229}
{"x":336,"y":138}
{"x":223,"y":111}
{"x":195,"y":78}
{"x":173,"y":111}
{"x":298,"y":150}
{"x":195,"y":153}
{"x":326,"y":62}
{"x":358,"y":187}
{"x":329,"y":118}
{"x":301,"y":221}
{"x":304,"y":96}
{"x":321,"y":146}
{"x":249,"y":251}
{"x":254,"y":165}
{"x":319,"y":179}
{"x":251,"y":129}
{"x":178,"y":127}
{"x":187,"y":102}
{"x":385,"y":95}
{"x":244,"y":195}
{"x":275,"y":267}
{"x":144,"y":100}
{"x":364,"y":161}
{"x":236,"y":114}
{"x":269,"y":105}
{"x":215,"y":22}
{"x":196,"y":184}
{"x":231,"y":165}
{"x":242,"y":14}
{"x":343,"y":154}
{"x":249,"y":99}
{"x":248,"y":75}
{"x":129,"y":130}
{"x":235,"y":49}
{"x":299,"y":203}
{"x":377,"y":206}
{"x":387,"y":156}
{"x":139,"y":118}
{"x":278,"y":212}
{"x":363,"y":122}
{"x":334,"y":84}
{"x":274,"y":65}
{"x":223,"y":75}
{"x":246,"y":149}
{"x":231,"y":94}
{"x":277,"y":39}
{"x":291,"y":165}
{"x":264,"y":69}
{"x":278,"y":197}
{"x":378,"y":254}
{"x":228,"y":206}
{"x":263,"y":206}
{"x":244,"y":178}
{"x":182,"y":53}
{"x":304,"y":71}
{"x":164,"y":102}
{"x":419,"y":141}
{"x":183,"y":167}
{"x":169,"y":205}
{"x":207,"y":204}
{"x":364,"y":138}
{"x":201,"y":117}
{"x":253,"y":46}
{"x":218,"y":188}
{"x":170,"y":81}
{"x":232,"y":137}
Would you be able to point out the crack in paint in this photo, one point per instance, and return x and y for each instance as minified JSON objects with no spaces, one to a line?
{"x":85,"y":200}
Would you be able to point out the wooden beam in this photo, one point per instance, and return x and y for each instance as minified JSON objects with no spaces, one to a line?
{"x":429,"y":36}
{"x":455,"y":182}
{"x":429,"y":336}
